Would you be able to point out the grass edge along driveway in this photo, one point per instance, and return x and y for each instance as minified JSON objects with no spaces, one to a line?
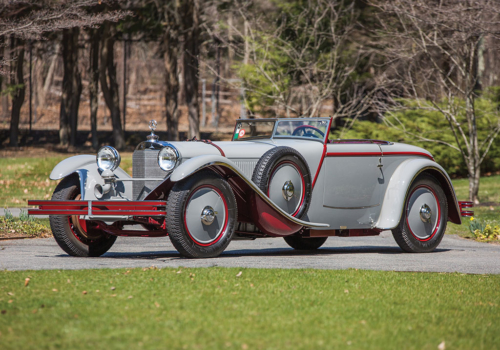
{"x":232,"y":308}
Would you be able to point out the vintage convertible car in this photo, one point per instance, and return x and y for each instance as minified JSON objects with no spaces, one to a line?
{"x":275,"y":178}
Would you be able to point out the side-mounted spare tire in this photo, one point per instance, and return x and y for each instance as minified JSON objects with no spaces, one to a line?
{"x":283,"y":175}
{"x":72,"y":233}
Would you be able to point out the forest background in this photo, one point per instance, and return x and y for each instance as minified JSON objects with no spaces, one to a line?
{"x":79,"y":74}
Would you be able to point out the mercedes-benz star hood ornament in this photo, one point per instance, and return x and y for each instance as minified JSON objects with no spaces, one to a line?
{"x":152,"y":137}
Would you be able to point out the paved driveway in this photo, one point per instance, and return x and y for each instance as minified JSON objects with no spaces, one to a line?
{"x":372,"y":253}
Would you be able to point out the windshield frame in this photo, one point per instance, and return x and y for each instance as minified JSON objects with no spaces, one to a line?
{"x":276,"y":121}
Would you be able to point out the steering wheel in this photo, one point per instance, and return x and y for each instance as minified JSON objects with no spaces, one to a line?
{"x":307,"y":134}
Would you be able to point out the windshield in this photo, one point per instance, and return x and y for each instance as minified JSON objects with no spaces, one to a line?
{"x":310,"y":128}
{"x":250,"y":129}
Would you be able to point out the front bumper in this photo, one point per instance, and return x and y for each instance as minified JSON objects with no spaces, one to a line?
{"x":94,"y":209}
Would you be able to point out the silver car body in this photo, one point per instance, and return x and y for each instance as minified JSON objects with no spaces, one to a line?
{"x":357,"y":184}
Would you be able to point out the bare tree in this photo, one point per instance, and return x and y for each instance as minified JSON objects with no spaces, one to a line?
{"x":94,"y":36}
{"x":171,"y":45}
{"x":71,"y":88}
{"x":17,"y":87}
{"x":109,"y":84}
{"x":434,"y":48}
{"x":298,"y":65}
{"x":191,"y":28}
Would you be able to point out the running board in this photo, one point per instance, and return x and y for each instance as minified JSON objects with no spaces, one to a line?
{"x":99,"y":208}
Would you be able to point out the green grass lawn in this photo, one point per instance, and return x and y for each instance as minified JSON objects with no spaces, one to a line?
{"x":27,"y":178}
{"x":212,"y":308}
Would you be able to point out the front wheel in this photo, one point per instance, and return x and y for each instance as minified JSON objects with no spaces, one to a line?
{"x":201,"y":215}
{"x":71,"y":232}
{"x":424,"y":218}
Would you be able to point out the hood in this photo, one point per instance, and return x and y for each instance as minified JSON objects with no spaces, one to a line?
{"x":231,"y":149}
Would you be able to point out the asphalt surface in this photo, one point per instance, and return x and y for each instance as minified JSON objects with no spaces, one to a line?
{"x":454,"y":254}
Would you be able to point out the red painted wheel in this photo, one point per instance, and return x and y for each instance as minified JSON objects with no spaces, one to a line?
{"x":425,"y":214}
{"x":70,"y":232}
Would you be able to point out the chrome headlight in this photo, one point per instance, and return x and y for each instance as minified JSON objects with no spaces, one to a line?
{"x":167,"y":158}
{"x":108,"y":158}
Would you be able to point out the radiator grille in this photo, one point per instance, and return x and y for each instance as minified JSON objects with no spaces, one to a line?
{"x":246,"y":166}
{"x":145,"y":164}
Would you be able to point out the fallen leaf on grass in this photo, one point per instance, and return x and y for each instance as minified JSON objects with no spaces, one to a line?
{"x":244,"y":346}
{"x":346,"y":291}
{"x":26,"y":281}
{"x":11,"y":301}
{"x":156,"y":304}
{"x":180,"y":271}
{"x":113,"y":295}
{"x":238,"y":275}
{"x":4,"y":312}
{"x":84,"y":292}
{"x":130,"y":297}
{"x":69,"y":281}
{"x":34,"y":311}
{"x":10,"y":293}
{"x":113,"y":288}
{"x":54,"y":290}
{"x":442,"y":346}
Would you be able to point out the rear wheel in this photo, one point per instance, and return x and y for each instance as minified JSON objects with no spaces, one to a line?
{"x":424,"y":219}
{"x":201,"y":215}
{"x":304,"y":243}
{"x":71,"y":232}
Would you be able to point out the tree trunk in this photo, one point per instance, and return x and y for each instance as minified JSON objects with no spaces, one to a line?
{"x":94,"y":83}
{"x":71,"y":88}
{"x":77,"y":88}
{"x":110,"y":91}
{"x":171,"y":43}
{"x":5,"y":97}
{"x":17,"y":82}
{"x":190,"y":16}
{"x":50,"y":75}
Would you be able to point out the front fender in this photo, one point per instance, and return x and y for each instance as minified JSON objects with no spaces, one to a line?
{"x":399,"y":185}
{"x":86,"y":168}
{"x":266,"y":214}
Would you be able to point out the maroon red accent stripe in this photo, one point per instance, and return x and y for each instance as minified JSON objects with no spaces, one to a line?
{"x":377,"y":154}
{"x":319,"y":166}
{"x":213,"y":144}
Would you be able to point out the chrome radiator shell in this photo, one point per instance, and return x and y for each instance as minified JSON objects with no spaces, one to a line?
{"x":145,"y":165}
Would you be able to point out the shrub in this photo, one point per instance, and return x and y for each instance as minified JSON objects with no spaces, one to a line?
{"x":404,"y":126}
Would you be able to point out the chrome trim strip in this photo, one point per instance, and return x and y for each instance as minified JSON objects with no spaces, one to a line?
{"x":369,"y":206}
{"x":259,"y":192}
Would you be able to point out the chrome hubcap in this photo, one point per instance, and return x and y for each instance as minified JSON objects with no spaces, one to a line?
{"x":208,"y":215}
{"x":288,"y":190}
{"x":425,"y":213}
{"x":205,"y":215}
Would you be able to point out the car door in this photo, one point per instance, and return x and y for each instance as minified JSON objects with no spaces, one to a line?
{"x":354,"y":182}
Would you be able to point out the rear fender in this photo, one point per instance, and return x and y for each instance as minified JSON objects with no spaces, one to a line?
{"x":399,"y":186}
{"x":86,"y":168}
{"x":253,"y":204}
